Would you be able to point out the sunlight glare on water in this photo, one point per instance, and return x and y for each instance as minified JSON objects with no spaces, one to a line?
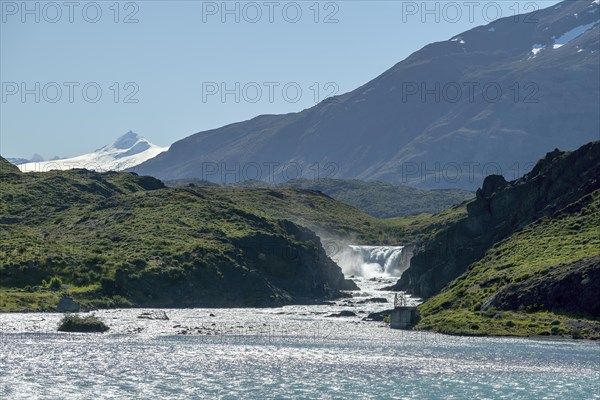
{"x":288,"y":352}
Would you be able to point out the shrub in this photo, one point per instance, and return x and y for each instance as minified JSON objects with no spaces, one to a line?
{"x":75,"y":323}
{"x":55,"y":283}
{"x":576,"y":334}
{"x":521,"y":277}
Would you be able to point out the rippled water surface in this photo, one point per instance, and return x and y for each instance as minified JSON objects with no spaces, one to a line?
{"x":289,"y":352}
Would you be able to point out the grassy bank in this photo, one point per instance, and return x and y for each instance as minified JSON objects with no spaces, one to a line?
{"x":511,"y":290}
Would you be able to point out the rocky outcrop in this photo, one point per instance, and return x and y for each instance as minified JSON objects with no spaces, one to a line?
{"x":67,"y":304}
{"x":154,"y":315}
{"x":378,"y":316}
{"x":258,"y":270}
{"x":501,"y":208}
{"x":301,"y":269}
{"x":572,"y":287}
{"x":343,"y":313}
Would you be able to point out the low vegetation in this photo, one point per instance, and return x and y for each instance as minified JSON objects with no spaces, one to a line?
{"x":552,"y":249}
{"x":380,"y":199}
{"x":117,"y":239}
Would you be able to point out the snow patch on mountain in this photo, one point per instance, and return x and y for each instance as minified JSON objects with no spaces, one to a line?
{"x":458,"y":39}
{"x":564,"y":38}
{"x":128,"y":151}
{"x":573,"y":34}
{"x":537,"y":48}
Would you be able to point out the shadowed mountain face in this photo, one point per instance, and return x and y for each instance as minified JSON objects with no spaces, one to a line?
{"x":492,"y":100}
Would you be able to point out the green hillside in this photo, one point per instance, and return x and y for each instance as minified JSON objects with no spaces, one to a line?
{"x":8,"y":168}
{"x":120,"y":239}
{"x":332,"y":219}
{"x":116,"y":239}
{"x":378,"y":199}
{"x":385,"y":200}
{"x":543,"y":280}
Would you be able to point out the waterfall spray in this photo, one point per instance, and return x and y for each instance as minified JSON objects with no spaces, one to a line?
{"x":373,"y":261}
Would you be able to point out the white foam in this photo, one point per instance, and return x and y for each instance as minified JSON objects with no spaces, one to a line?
{"x":373,"y":261}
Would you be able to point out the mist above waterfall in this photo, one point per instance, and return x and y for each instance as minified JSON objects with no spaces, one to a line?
{"x":372,"y":261}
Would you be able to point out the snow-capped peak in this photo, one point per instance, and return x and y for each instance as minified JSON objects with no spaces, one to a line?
{"x":126,"y":151}
{"x":126,"y":141}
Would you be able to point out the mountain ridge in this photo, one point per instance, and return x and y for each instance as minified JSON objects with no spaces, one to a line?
{"x":384,"y":131}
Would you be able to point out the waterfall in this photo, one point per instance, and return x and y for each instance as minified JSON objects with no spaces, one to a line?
{"x":373,"y":261}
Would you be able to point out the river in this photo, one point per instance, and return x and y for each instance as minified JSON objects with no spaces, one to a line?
{"x":287,"y":352}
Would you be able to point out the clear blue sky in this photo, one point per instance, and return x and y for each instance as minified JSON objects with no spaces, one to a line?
{"x":176,"y":50}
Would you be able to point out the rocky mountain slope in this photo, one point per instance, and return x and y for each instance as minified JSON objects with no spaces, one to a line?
{"x":542,"y":280}
{"x":126,"y":151}
{"x":556,"y":185}
{"x":503,"y":95}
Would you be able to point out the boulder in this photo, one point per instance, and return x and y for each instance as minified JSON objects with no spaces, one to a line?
{"x":67,"y":304}
{"x":378,"y":316}
{"x":373,"y":300}
{"x":348,"y":284}
{"x":157,"y":314}
{"x":344,"y":313}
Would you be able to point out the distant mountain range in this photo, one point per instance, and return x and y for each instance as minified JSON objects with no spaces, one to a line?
{"x":34,"y":158}
{"x":127,"y":151}
{"x":491,"y":100}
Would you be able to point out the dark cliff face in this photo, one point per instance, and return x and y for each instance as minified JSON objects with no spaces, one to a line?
{"x":572,"y":287}
{"x":300,"y":270}
{"x":501,"y":208}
